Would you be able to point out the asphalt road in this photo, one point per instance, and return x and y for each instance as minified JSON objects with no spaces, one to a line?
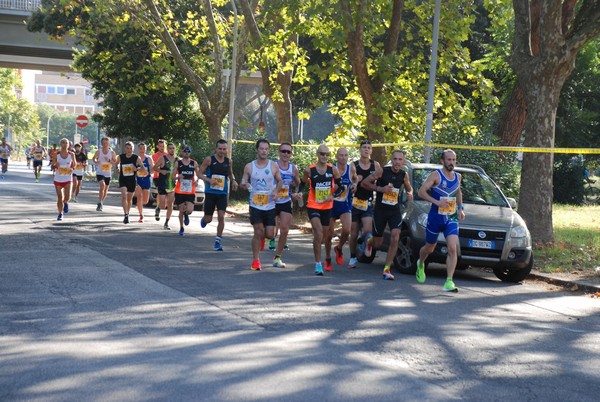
{"x":92,"y":309}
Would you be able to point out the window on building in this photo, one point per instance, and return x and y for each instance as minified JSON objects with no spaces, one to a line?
{"x":70,"y":91}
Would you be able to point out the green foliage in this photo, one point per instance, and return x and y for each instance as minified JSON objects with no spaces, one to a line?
{"x":568,"y":180}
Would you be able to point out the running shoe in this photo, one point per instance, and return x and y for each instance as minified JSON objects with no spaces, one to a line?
{"x":74,"y":198}
{"x":387,"y":275}
{"x":272,"y":244}
{"x":59,"y":217}
{"x":449,"y":286}
{"x":339,"y":256}
{"x":286,"y":247}
{"x":37,"y":180}
{"x":65,"y":208}
{"x":262,"y":245}
{"x":141,"y":220}
{"x":202,"y":223}
{"x":368,"y":244}
{"x":181,"y":231}
{"x":99,"y":207}
{"x":218,"y":246}
{"x":353,"y":262}
{"x":186,"y":219}
{"x":126,"y":219}
{"x":420,"y":272}
{"x":256,"y":265}
{"x":157,"y":213}
{"x":166,"y":227}
{"x":277,"y":263}
{"x":328,"y":266}
{"x":318,"y":269}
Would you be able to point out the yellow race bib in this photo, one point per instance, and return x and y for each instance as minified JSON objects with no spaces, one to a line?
{"x":357,"y":203}
{"x":105,"y":167}
{"x":219,"y":182}
{"x":128,"y":169}
{"x":390,"y":198}
{"x":65,"y":171}
{"x":284,"y":192}
{"x":451,"y":207}
{"x":260,"y":199}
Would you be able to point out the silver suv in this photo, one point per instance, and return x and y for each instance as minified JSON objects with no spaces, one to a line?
{"x":491,"y":235}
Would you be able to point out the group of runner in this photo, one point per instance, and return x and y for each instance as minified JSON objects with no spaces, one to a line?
{"x":365,"y":197}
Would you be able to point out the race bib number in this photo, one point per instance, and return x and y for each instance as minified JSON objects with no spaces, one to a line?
{"x":322,"y":191}
{"x":451,"y":209}
{"x":260,"y":198}
{"x":128,"y":169}
{"x":38,"y":157}
{"x":342,"y":197}
{"x":105,"y":167}
{"x":142,"y":173}
{"x":363,"y":205}
{"x":284,"y":192}
{"x":219,"y":181}
{"x":4,"y":155}
{"x":65,"y":171}
{"x":186,"y":186}
{"x":391,"y":198}
{"x":79,"y":167}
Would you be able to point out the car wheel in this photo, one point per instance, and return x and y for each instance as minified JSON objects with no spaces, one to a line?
{"x":406,"y":256}
{"x":513,"y":275}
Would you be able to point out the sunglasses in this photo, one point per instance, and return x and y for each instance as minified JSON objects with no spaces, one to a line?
{"x":286,"y":151}
{"x":324,"y":153}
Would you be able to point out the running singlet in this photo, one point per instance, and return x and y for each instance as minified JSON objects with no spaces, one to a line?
{"x":38,"y":153}
{"x":446,"y":189}
{"x":362,"y":196}
{"x":164,"y":179}
{"x":4,"y":152}
{"x":321,"y":186}
{"x":187,"y":185}
{"x":390,"y":201}
{"x":156,"y":156}
{"x":104,"y":165}
{"x":80,"y":159}
{"x":263,"y":184}
{"x":127,"y":166}
{"x":287,"y":179}
{"x":64,"y":172}
{"x":220,"y":171}
{"x":346,"y":195}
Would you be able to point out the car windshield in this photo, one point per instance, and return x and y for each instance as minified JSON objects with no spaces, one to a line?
{"x":477,"y":188}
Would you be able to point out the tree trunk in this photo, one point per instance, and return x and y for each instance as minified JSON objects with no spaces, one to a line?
{"x":283,"y":114}
{"x":214,"y":127}
{"x":512,"y":121}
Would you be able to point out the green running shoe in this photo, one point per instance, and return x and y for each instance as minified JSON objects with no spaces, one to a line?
{"x":449,"y":286}
{"x":272,"y":244}
{"x":420,"y":272}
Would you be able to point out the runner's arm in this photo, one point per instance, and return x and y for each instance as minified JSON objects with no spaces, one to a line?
{"x":245,"y":183}
{"x":232,"y":181}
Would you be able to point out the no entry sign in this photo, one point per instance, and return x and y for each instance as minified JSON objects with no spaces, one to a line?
{"x":81,"y":121}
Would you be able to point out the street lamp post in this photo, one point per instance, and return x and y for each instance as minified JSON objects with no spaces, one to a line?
{"x":48,"y":131}
{"x":233,"y":74}
{"x":432,"y":73}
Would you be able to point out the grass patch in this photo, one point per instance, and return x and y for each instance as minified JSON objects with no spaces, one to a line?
{"x":576,"y":240}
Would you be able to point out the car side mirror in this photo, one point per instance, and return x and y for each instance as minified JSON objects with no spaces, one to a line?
{"x":512,"y":202}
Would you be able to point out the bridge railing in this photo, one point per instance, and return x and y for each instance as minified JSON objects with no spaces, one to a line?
{"x":27,"y":5}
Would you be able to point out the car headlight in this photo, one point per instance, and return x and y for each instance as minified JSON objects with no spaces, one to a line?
{"x":519,"y":237}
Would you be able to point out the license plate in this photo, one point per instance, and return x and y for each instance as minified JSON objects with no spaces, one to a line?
{"x":481,"y":243}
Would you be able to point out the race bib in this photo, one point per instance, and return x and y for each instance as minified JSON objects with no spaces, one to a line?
{"x":260,"y":198}
{"x":451,"y":207}
{"x":65,"y":171}
{"x":284,"y":192}
{"x":363,"y":205}
{"x":391,"y":198}
{"x":186,"y":186}
{"x":105,"y":167}
{"x":342,"y":197}
{"x":4,"y":155}
{"x":219,"y":182}
{"x":322,"y":191}
{"x":38,"y":157}
{"x":79,"y":167}
{"x":142,"y":173}
{"x":127,"y":170}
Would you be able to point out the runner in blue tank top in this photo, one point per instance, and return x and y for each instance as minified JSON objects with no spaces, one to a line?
{"x":446,"y":210}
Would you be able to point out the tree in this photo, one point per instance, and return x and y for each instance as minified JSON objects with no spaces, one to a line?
{"x":16,"y":112}
{"x":542,"y":75}
{"x":380,"y":55}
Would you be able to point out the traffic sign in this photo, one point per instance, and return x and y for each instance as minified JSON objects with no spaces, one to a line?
{"x":81,"y":121}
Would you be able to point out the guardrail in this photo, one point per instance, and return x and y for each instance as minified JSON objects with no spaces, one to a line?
{"x":27,"y":5}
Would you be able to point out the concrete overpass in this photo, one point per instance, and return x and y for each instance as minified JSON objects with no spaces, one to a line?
{"x":20,"y":48}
